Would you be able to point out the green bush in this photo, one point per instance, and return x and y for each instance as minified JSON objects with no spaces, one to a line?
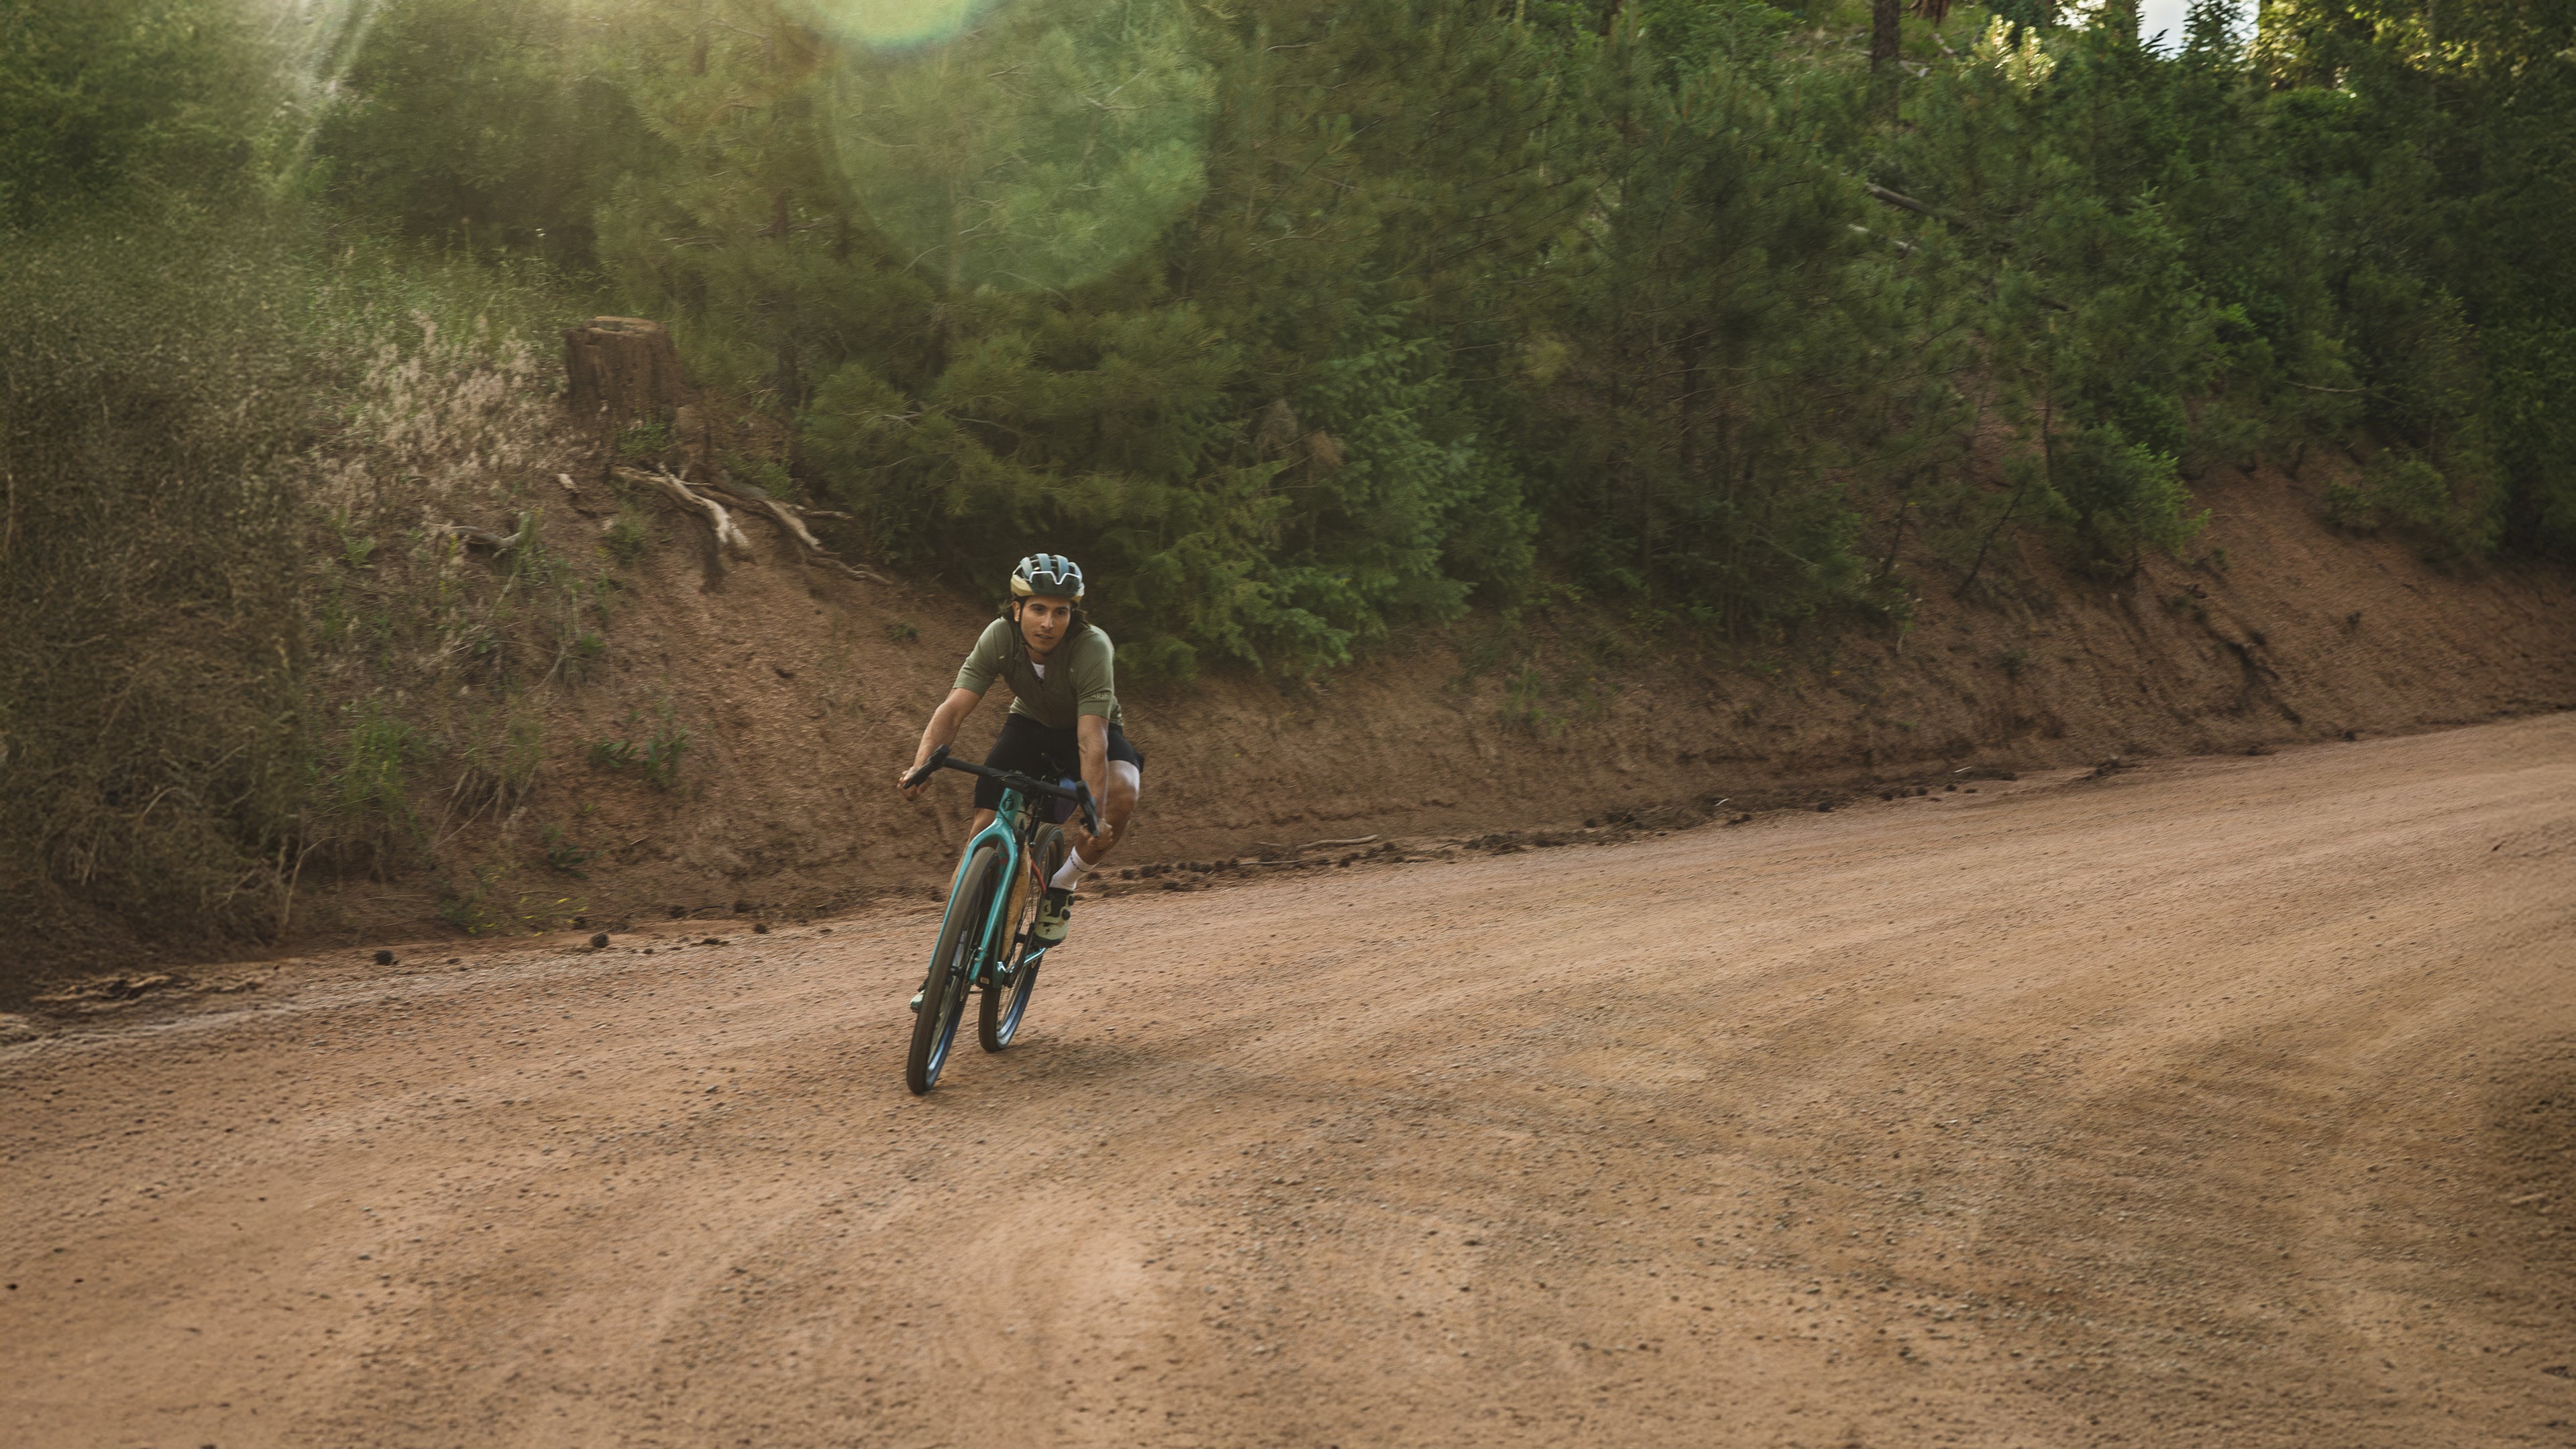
{"x":107,"y":103}
{"x":660,"y":755}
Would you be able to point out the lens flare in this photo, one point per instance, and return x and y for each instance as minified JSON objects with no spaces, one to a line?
{"x":1041,"y":147}
{"x":879,"y":24}
{"x":316,"y":42}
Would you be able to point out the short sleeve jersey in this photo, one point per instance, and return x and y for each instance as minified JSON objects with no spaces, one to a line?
{"x":1081,"y":678}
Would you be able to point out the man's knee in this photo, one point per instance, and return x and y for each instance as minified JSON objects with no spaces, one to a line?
{"x":1123,"y":783}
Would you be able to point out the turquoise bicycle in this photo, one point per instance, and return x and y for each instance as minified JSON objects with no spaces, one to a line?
{"x":987,"y":937}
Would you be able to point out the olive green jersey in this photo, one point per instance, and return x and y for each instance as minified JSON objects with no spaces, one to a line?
{"x":1081,"y":678}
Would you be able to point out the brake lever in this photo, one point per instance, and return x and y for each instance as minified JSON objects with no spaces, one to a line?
{"x":1090,"y":817}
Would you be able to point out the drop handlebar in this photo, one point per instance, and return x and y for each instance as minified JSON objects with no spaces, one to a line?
{"x":1080,"y":794}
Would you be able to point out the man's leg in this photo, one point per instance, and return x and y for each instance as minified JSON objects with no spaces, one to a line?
{"x":1055,"y":908}
{"x":1115,"y":811}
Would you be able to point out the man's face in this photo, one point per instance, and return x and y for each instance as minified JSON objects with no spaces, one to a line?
{"x":1043,"y":621}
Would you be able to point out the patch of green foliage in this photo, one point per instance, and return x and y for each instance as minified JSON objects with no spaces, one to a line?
{"x":643,"y":440}
{"x":564,"y":855}
{"x":629,"y":533}
{"x":1341,"y":318}
{"x":660,"y":756}
{"x":655,"y":756}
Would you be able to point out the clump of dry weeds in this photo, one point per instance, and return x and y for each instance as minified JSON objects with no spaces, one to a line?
{"x":243,"y":644}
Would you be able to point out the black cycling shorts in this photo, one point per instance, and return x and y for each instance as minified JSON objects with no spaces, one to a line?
{"x":1049,"y":754}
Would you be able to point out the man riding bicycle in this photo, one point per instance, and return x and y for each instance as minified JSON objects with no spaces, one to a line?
{"x":1064,"y":720}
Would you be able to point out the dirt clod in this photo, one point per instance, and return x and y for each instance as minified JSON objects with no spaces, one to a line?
{"x":599,"y":941}
{"x":384,"y":958}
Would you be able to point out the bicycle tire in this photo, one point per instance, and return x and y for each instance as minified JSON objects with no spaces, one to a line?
{"x":953,"y":964}
{"x":998,"y":1023}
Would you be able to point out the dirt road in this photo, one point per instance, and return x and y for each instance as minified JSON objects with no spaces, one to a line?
{"x":2223,"y":1102}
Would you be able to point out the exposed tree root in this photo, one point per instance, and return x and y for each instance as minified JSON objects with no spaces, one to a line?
{"x":712,"y":498}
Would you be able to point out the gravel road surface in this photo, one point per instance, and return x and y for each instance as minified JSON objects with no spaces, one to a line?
{"x":2220,"y":1101}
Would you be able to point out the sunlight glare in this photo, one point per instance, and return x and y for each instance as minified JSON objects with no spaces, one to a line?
{"x":1041,"y":148}
{"x":887,"y":23}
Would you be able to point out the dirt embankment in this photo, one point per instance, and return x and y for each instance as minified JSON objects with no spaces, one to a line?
{"x":801,"y":690}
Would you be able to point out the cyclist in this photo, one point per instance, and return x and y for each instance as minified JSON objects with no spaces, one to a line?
{"x":1064,"y":719}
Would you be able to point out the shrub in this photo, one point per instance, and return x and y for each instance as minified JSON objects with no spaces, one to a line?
{"x":152,"y":747}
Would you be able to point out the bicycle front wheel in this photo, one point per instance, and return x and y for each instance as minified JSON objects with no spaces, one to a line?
{"x":1006,"y":1003}
{"x":952,"y":968}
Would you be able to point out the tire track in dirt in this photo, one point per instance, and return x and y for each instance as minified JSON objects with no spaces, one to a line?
{"x":2224,"y":1101}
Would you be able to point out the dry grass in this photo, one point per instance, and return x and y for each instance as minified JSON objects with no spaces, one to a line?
{"x":240,"y":648}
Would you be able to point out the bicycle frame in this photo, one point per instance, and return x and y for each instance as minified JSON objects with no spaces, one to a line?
{"x":1008,"y":828}
{"x":1013,"y":817}
{"x":1014,"y":822}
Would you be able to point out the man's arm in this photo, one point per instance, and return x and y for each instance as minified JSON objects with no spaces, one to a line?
{"x":1093,"y":732}
{"x":942,"y":728}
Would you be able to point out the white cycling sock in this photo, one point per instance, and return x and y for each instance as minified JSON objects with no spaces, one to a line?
{"x":1068,"y":876}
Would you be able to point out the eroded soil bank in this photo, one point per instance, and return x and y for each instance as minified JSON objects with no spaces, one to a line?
{"x":2218,"y":1101}
{"x":801,"y":690}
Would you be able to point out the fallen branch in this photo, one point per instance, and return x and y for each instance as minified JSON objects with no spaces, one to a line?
{"x":491,"y":538}
{"x":712,"y":498}
{"x":727,"y":536}
{"x":1903,"y":248}
{"x":748,"y":497}
{"x":1900,"y":199}
{"x":751,"y":498}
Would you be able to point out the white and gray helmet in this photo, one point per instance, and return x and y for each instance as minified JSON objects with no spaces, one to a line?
{"x":1051,"y":574}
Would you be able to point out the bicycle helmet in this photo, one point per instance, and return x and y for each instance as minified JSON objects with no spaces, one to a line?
{"x":1047,"y":573}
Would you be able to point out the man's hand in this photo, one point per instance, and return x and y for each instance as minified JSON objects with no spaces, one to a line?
{"x":905,"y":789}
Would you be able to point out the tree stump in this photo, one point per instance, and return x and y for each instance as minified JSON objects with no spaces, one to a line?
{"x":619,"y":371}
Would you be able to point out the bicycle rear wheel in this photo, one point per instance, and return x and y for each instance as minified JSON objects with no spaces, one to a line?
{"x":1005,"y":1004}
{"x":952,"y":968}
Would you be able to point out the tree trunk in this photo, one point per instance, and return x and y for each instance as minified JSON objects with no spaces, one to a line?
{"x":1884,"y":47}
{"x":1883,"y":18}
{"x":621,"y":370}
